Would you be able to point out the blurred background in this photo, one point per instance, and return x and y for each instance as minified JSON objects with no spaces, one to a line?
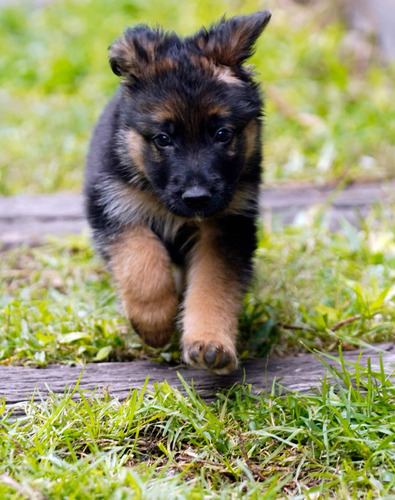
{"x":325,"y":66}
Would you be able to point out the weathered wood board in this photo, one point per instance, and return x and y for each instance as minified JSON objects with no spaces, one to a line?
{"x":29,"y":219}
{"x":296,"y":373}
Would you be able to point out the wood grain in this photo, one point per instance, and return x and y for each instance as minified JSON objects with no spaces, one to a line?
{"x":296,"y":373}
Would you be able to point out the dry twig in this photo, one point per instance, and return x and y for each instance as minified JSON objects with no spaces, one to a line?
{"x":345,"y":322}
{"x":334,"y":328}
{"x":296,"y":327}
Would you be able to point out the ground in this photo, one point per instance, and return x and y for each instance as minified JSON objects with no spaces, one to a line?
{"x":330,"y":116}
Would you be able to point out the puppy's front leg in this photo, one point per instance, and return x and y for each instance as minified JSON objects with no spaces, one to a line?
{"x":141,"y":267}
{"x":213,"y":300}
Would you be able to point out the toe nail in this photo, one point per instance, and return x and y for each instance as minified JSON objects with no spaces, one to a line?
{"x":223,"y":360}
{"x":210,"y":357}
{"x":194,"y":354}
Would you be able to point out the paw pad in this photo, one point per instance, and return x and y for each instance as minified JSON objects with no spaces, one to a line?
{"x":211,"y":355}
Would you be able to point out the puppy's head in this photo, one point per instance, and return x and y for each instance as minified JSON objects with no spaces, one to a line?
{"x":190,"y":112}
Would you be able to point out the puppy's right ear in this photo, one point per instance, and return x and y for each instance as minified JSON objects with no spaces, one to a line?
{"x":231,"y":41}
{"x":129,"y":56}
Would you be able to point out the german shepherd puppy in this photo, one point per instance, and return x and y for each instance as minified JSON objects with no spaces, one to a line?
{"x":172,"y":182}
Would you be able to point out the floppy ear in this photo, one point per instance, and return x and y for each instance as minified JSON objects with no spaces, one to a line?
{"x":130,"y":56}
{"x":231,"y":41}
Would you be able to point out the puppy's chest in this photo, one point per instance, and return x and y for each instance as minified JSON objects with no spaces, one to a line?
{"x":127,"y":207}
{"x":178,"y":244}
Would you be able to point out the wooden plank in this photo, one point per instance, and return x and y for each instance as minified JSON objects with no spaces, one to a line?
{"x":28,"y":219}
{"x":296,"y":373}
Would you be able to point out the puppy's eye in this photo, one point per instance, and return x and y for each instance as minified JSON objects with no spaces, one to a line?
{"x":223,"y":135}
{"x":163,"y":141}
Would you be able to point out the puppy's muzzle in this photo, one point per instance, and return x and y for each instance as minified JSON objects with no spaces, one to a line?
{"x":197,"y":197}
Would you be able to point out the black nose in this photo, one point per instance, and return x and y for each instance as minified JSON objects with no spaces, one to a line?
{"x":196,"y":197}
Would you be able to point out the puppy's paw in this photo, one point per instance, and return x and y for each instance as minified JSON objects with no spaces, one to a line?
{"x":211,"y":355}
{"x":154,"y":321}
{"x":153,"y":337}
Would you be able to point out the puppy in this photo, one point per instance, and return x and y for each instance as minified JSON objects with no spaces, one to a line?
{"x":172,"y":182}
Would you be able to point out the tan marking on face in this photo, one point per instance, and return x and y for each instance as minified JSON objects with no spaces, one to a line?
{"x":219,"y":109}
{"x":164,"y":112}
{"x":171,"y":109}
{"x":141,"y":267}
{"x":251,"y":138}
{"x":243,"y":201}
{"x":135,"y":143}
{"x":213,"y":298}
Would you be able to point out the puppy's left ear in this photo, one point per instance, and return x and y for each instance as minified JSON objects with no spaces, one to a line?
{"x":231,"y":41}
{"x":134,"y":55}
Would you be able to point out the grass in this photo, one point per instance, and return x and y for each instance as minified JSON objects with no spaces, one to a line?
{"x":330,"y":108}
{"x":330,"y":116}
{"x":57,"y":304}
{"x":336,"y":443}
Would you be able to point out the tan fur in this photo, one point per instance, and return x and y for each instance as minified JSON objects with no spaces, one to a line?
{"x":212,"y":302}
{"x":251,"y":135}
{"x":202,"y":62}
{"x":163,"y":114}
{"x":132,"y":207}
{"x":243,"y":201}
{"x":131,"y":64}
{"x":220,"y":110}
{"x":125,"y":53}
{"x":179,"y":279}
{"x":201,"y":43}
{"x":135,"y":144}
{"x":167,"y":110}
{"x":219,"y":71}
{"x":225,"y":74}
{"x":165,"y":64}
{"x":141,"y":268}
{"x":228,"y":53}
